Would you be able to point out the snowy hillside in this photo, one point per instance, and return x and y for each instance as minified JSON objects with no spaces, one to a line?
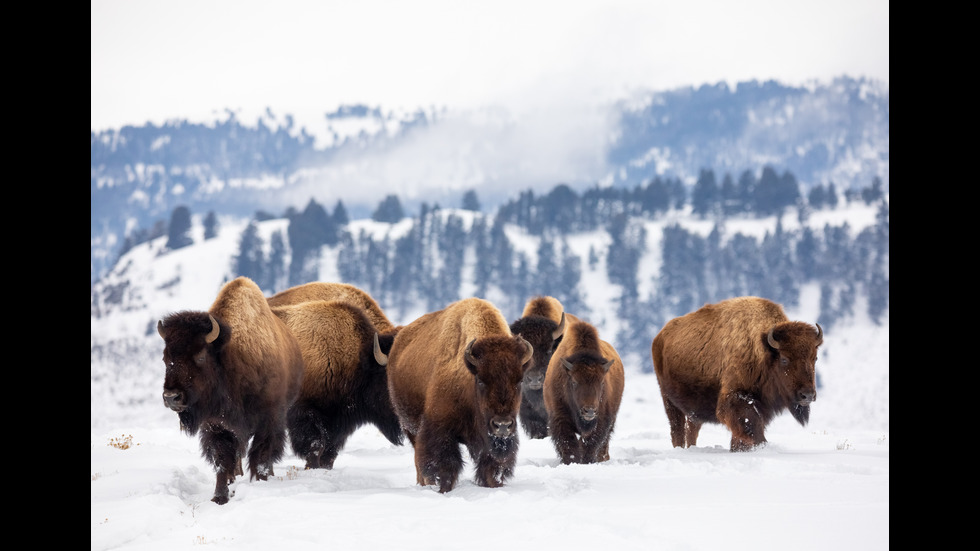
{"x":820,"y":487}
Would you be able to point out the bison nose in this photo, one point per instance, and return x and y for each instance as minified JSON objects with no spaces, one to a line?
{"x":502,"y":427}
{"x":804,"y":397}
{"x":173,"y":400}
{"x":588,"y":413}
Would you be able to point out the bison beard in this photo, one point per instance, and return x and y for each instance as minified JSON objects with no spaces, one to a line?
{"x":801,"y":413}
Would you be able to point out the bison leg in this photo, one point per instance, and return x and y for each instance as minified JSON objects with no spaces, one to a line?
{"x":306,"y":434}
{"x":438,"y":459}
{"x":491,"y":473}
{"x":220,"y":448}
{"x":678,"y":425}
{"x":691,"y":430}
{"x":267,"y":447}
{"x":595,"y":446}
{"x":566,"y":441}
{"x":739,"y":413}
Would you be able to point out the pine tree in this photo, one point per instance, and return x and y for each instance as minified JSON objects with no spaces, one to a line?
{"x":210,"y":225}
{"x":470,"y":201}
{"x":250,"y":260}
{"x":705,"y":195}
{"x":178,"y":231}
{"x":340,"y":217}
{"x":276,"y":269}
{"x":389,"y":210}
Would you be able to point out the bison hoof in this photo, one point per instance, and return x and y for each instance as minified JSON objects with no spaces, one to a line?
{"x":220,"y":499}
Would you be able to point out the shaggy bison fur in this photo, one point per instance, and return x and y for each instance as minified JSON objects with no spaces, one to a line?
{"x":454,"y":376}
{"x":231,"y":375}
{"x":582,"y":392}
{"x":345,"y":384}
{"x":542,"y":324}
{"x":738,"y":362}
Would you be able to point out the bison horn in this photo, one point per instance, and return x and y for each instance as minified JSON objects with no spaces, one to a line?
{"x":468,"y":354}
{"x":819,"y":333}
{"x":379,"y":356}
{"x":607,"y":365}
{"x":209,"y":338}
{"x":567,"y":364}
{"x":160,"y":328}
{"x":528,"y":350}
{"x":561,"y":328}
{"x":772,"y":341}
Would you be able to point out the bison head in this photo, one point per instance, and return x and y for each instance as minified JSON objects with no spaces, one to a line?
{"x":585,"y":387}
{"x":192,"y":344}
{"x":793,"y":354}
{"x":544,"y":335}
{"x":498,"y":364}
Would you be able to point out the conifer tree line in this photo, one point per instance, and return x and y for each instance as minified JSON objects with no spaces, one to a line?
{"x":425,"y":265}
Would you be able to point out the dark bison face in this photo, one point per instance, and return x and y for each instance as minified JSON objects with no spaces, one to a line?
{"x":192,"y":341}
{"x":585,"y":387}
{"x":498,"y":365}
{"x":544,"y":335}
{"x":793,"y":352}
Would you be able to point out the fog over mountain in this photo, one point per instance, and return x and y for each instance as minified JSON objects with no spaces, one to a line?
{"x":835,"y":132}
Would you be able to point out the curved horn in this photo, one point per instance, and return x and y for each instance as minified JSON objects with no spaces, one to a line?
{"x":561,"y":328}
{"x":379,"y":356}
{"x":772,"y":341}
{"x":819,"y":333}
{"x":567,"y":364}
{"x":160,"y":328}
{"x":468,"y":354}
{"x":209,"y":338}
{"x":528,"y":349}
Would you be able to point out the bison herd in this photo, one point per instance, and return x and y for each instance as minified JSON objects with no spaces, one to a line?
{"x":313,"y":363}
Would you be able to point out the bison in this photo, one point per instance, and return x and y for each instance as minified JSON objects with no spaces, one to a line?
{"x":231,"y":375}
{"x":455,"y":379}
{"x":542,"y":323}
{"x":582,"y":392}
{"x":323,"y":290}
{"x":345,"y":384}
{"x":738,"y":362}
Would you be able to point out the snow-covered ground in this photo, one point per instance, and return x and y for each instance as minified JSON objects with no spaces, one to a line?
{"x":820,"y":487}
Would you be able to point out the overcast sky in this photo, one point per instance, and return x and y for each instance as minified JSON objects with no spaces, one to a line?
{"x":154,"y":60}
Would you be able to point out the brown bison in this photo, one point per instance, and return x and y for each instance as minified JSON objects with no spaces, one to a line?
{"x":738,"y":362}
{"x":582,"y":392}
{"x":323,"y":290}
{"x":542,"y":324}
{"x":231,"y":374}
{"x":345,"y":384}
{"x":455,"y":378}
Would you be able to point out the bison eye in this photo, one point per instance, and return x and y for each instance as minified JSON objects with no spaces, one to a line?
{"x":200,"y":359}
{"x":783,"y":360}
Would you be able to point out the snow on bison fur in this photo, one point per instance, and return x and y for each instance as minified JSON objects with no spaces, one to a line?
{"x":738,"y":362}
{"x":582,"y":392}
{"x":231,"y":375}
{"x":455,"y":379}
{"x":542,"y":324}
{"x":345,"y":384}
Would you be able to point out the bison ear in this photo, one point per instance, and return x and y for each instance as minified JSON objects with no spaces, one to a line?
{"x":469,"y":359}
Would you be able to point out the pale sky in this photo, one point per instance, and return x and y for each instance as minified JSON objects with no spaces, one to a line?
{"x":155,"y":60}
